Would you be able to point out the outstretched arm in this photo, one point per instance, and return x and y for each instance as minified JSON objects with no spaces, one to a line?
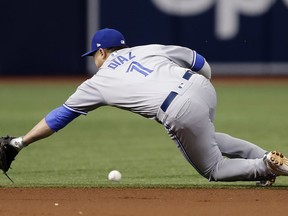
{"x":40,"y":131}
{"x":54,"y":121}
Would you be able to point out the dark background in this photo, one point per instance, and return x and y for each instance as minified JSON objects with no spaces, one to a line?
{"x":43,"y":37}
{"x":47,"y":37}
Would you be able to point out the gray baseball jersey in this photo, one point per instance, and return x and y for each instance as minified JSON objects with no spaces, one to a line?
{"x":136,"y":79}
{"x":155,"y":81}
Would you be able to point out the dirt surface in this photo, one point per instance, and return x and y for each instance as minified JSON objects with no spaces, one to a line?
{"x":126,"y":202}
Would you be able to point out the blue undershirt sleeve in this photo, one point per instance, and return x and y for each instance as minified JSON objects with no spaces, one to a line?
{"x":199,"y":62}
{"x":60,"y":117}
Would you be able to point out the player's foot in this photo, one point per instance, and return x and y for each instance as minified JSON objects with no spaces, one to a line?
{"x":277,"y":163}
{"x":266,"y":183}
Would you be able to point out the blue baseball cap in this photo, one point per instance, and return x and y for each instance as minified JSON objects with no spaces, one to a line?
{"x":105,"y":38}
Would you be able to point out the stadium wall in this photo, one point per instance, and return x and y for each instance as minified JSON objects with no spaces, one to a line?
{"x":237,"y":37}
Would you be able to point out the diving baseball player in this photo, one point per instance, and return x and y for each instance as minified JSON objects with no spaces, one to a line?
{"x":169,"y":84}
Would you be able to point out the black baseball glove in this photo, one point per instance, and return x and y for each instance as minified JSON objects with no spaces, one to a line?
{"x":7,"y":153}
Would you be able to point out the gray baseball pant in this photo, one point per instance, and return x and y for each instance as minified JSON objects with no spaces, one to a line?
{"x":216,"y":156}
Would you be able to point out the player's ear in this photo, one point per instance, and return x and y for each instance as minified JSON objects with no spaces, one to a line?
{"x":102,"y":52}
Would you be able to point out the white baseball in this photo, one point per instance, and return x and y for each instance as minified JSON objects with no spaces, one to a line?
{"x":114,"y":175}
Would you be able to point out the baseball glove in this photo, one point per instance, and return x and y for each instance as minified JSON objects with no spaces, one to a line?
{"x":7,"y":153}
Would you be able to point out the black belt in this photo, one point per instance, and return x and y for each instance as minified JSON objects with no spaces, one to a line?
{"x":173,"y":94}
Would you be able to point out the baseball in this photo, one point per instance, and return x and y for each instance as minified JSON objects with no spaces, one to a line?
{"x":114,"y":175}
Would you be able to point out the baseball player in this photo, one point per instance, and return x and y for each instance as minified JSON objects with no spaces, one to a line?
{"x":169,"y":84}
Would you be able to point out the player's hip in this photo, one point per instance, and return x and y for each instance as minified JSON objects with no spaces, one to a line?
{"x":197,"y":99}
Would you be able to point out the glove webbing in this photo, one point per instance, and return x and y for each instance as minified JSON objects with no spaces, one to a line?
{"x":8,"y":177}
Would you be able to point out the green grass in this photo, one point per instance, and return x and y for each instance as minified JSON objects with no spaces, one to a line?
{"x":82,"y":154}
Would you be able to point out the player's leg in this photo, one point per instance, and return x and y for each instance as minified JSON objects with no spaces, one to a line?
{"x":189,"y":123}
{"x":237,"y":148}
{"x":202,"y":152}
{"x":232,"y":147}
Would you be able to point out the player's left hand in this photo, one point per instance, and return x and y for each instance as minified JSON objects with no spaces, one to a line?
{"x":7,"y":153}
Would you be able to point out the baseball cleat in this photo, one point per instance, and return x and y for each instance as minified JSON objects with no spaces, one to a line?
{"x":266,"y":183}
{"x":277,"y":163}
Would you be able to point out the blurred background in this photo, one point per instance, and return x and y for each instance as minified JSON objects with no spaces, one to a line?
{"x":239,"y":37}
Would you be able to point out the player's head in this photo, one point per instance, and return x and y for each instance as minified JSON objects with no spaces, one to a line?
{"x":106,"y":38}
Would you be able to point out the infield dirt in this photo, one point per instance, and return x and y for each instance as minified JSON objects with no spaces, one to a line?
{"x":108,"y":202}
